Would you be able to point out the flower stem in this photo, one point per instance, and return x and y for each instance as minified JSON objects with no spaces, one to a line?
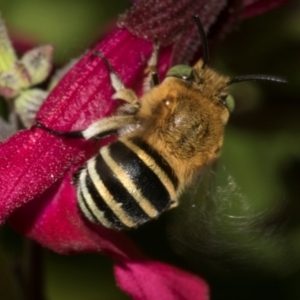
{"x":30,"y":272}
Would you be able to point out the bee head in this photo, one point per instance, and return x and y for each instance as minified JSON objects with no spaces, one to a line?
{"x":208,"y":80}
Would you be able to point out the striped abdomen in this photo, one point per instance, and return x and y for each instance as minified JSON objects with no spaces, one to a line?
{"x":127,"y":184}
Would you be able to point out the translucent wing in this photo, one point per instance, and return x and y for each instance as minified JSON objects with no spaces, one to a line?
{"x":215,"y":228}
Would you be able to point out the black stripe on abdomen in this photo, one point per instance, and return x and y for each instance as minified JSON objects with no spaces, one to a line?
{"x":102,"y":206}
{"x":142,"y":176}
{"x":119,"y":192}
{"x":158,"y":158}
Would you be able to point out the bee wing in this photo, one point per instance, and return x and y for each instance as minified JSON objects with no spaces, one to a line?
{"x":210,"y":219}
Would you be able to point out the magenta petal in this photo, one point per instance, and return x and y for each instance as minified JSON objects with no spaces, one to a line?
{"x":168,"y":19}
{"x":28,"y":167}
{"x":151,"y":280}
{"x":171,"y":22}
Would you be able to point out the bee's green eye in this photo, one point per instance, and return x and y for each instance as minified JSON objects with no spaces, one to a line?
{"x":229,"y":101}
{"x":180,"y":71}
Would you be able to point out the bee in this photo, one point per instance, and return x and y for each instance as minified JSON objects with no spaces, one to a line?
{"x":165,"y":139}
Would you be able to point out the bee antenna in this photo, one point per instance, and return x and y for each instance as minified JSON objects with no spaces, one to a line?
{"x":257,"y":78}
{"x":203,"y":40}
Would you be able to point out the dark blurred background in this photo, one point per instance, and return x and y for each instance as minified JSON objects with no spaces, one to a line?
{"x":261,"y":152}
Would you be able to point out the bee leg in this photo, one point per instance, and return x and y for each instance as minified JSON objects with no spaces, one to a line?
{"x":122,"y":92}
{"x":152,"y":79}
{"x":108,"y":126}
{"x":129,"y":96}
{"x":96,"y":130}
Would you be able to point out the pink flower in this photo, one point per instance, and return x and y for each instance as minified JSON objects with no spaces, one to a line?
{"x":36,"y":167}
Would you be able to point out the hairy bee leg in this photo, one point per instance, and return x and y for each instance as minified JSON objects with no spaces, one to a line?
{"x":121,"y":92}
{"x":152,"y":62}
{"x":108,"y":126}
{"x":96,"y":130}
{"x":129,"y":96}
{"x":152,"y":79}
